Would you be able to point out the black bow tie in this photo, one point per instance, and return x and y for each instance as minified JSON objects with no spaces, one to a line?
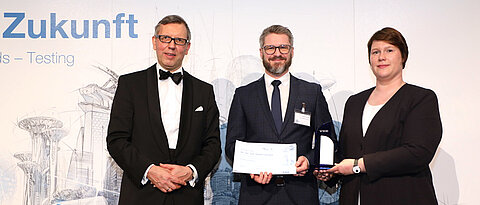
{"x":176,"y":77}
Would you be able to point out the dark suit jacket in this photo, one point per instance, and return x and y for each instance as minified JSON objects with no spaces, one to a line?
{"x":136,"y":136}
{"x":250,"y":119}
{"x":398,"y":146}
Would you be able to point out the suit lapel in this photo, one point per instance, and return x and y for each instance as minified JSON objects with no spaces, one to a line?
{"x":154,"y":110}
{"x":292,"y":96}
{"x":359,"y":115}
{"x":186,"y":111}
{"x":262,"y":96}
{"x":378,"y":121}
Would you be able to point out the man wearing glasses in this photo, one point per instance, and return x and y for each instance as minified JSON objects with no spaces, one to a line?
{"x":264,"y":111}
{"x":163,"y":129}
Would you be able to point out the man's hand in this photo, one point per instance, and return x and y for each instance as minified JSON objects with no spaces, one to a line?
{"x":183,"y":173}
{"x":162,"y":179}
{"x":302,"y":166}
{"x":262,"y":178}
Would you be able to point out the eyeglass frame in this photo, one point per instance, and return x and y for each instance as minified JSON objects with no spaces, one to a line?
{"x":172,"y":39}
{"x":275,"y":48}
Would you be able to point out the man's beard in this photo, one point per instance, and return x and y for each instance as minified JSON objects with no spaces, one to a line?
{"x":279,"y":69}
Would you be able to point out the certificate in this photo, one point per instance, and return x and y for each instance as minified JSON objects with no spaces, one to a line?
{"x":253,"y":158}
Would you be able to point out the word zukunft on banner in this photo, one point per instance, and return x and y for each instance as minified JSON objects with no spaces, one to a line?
{"x":37,"y":28}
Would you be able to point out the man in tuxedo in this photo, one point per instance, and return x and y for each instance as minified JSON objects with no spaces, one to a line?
{"x":265,"y":110}
{"x":163,"y":129}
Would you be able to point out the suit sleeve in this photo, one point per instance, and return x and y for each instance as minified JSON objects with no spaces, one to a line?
{"x":236,"y":129}
{"x":211,"y":150}
{"x":421,"y":135}
{"x":119,"y":136}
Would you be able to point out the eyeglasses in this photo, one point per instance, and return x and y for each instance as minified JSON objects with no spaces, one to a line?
{"x":270,"y":49}
{"x":168,"y":39}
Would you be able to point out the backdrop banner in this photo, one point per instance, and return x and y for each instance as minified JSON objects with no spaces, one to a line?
{"x":60,"y":62}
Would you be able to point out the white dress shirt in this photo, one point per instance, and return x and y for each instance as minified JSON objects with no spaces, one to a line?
{"x":170,"y":95}
{"x":284,"y":91}
{"x":369,"y":112}
{"x":284,"y":88}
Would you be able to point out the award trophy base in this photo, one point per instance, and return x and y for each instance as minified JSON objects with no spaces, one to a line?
{"x":324,"y":166}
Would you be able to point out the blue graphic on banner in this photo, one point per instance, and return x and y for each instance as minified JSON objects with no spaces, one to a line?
{"x":60,"y":27}
{"x":225,"y":190}
{"x":4,"y":58}
{"x":36,"y":58}
{"x":91,"y":176}
{"x":7,"y":181}
{"x":53,"y":58}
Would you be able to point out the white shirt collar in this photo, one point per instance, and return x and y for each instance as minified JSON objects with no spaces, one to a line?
{"x":285,"y":79}
{"x":160,"y":67}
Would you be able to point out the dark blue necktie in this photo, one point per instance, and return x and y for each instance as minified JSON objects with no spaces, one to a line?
{"x":276,"y":105}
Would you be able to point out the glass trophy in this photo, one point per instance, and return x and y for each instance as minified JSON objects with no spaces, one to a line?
{"x":324,"y":147}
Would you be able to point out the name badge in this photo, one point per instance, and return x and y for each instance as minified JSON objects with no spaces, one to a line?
{"x":302,"y":117}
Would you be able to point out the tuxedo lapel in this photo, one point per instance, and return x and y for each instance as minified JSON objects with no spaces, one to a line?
{"x":186,"y":110}
{"x":154,"y":110}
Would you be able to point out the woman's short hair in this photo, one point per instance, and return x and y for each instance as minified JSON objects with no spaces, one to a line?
{"x":391,"y":36}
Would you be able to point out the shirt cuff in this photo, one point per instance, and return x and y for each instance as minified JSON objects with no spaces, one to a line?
{"x":195,"y":175}
{"x":145,"y":179}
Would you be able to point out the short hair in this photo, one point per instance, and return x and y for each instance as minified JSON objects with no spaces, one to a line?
{"x":277,"y":29}
{"x":173,"y":19}
{"x":391,"y":36}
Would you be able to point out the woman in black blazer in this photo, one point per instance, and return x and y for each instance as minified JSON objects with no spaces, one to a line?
{"x":389,"y":134}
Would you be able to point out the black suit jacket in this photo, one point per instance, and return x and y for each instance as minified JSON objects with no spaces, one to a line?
{"x":250,"y":119}
{"x":398,"y":146}
{"x":136,"y":136}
